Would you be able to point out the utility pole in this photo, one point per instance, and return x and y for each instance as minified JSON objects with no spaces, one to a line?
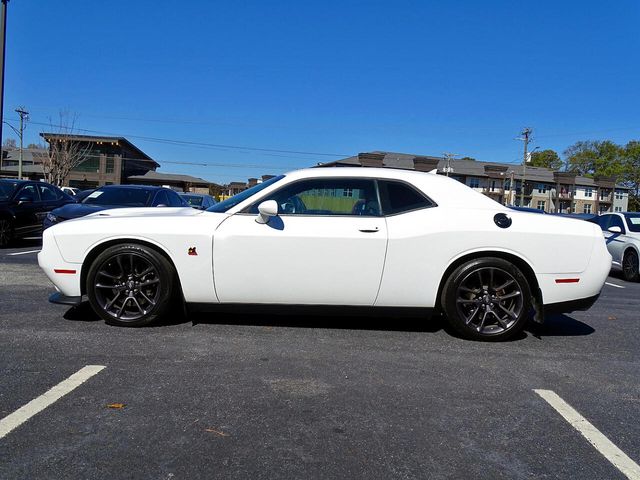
{"x":3,"y":37}
{"x":526,"y":138}
{"x":24,"y":115}
{"x":449,"y":156}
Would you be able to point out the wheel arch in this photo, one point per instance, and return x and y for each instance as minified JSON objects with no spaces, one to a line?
{"x":101,"y":247}
{"x":519,"y":262}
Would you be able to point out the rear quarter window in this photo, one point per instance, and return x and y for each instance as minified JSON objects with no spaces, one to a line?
{"x":399,"y":197}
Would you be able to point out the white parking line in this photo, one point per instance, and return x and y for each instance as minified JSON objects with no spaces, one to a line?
{"x":601,"y":443}
{"x":51,"y":396}
{"x":613,"y":285}
{"x":22,"y":253}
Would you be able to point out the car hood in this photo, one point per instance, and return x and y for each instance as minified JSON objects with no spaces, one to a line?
{"x":75,"y":210}
{"x":148,"y":212}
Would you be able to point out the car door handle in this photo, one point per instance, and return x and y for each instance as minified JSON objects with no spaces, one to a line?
{"x":369,"y":230}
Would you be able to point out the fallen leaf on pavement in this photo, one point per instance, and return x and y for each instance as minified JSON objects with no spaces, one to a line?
{"x":611,"y":317}
{"x":116,"y":405}
{"x":217,"y":432}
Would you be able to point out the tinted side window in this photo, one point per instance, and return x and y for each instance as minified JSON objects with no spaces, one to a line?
{"x":604,"y":221}
{"x":30,"y":192}
{"x":47,"y":193}
{"x":398,"y":197}
{"x":175,"y":200}
{"x":326,"y":196}
{"x":161,"y":199}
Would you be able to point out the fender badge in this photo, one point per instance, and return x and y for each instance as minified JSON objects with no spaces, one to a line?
{"x":192,"y":251}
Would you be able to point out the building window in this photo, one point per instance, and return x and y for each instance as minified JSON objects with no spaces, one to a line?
{"x":541,"y":204}
{"x":542,"y":188}
{"x":89,"y":165}
{"x":474,"y":182}
{"x":109,"y":165}
{"x":604,"y":208}
{"x":586,"y":208}
{"x":604,"y":194}
{"x":588,"y":192}
{"x":619,"y":195}
{"x":617,"y":209}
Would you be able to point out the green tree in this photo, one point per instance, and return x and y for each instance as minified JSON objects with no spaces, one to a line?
{"x":631,"y":175}
{"x":595,"y":157}
{"x":468,"y":158}
{"x":547,"y":159}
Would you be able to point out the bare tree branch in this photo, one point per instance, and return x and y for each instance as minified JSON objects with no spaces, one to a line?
{"x":65,"y":153}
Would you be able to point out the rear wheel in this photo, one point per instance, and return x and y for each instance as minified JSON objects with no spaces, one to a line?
{"x":487,"y":299}
{"x":130,"y":285}
{"x":6,"y":232}
{"x":630,"y":266}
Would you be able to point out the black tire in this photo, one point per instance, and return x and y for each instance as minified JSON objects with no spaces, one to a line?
{"x":131,"y":285}
{"x":630,"y":266}
{"x":6,"y":232}
{"x":487,"y":299}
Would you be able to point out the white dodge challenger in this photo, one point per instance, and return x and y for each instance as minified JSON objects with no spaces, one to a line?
{"x":362,"y":237}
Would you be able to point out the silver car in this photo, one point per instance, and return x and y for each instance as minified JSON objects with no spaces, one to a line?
{"x":622,"y":235}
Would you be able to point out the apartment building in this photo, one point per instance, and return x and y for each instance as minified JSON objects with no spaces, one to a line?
{"x":533,"y":187}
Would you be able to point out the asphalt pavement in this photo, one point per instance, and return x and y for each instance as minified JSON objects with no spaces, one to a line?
{"x":263,"y":396}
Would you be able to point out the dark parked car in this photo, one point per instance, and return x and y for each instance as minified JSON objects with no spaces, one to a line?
{"x":23,"y":206}
{"x":200,"y":201}
{"x":116,"y":196}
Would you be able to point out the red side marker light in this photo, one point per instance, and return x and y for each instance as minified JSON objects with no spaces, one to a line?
{"x":62,"y":270}
{"x":567,"y":280}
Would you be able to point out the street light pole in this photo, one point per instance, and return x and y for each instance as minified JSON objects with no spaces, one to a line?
{"x":23,"y":115}
{"x":3,"y":37}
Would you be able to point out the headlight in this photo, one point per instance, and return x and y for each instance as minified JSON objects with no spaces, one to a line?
{"x":52,"y":218}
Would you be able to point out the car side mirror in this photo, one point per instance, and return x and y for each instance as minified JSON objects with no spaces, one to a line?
{"x":614,"y":229}
{"x":24,"y":199}
{"x":267,"y":210}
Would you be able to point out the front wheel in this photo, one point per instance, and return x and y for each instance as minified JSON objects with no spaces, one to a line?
{"x":130,"y":285}
{"x":487,"y":299}
{"x":630,"y":266}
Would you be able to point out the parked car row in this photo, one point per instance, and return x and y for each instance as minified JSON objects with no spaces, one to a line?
{"x":27,"y":207}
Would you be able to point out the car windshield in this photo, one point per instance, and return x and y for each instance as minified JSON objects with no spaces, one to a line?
{"x":240,"y":197}
{"x":193,"y":200}
{"x":7,"y":189}
{"x":125,"y":197}
{"x":633,"y":221}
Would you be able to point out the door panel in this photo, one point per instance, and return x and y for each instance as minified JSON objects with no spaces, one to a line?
{"x":299,"y":259}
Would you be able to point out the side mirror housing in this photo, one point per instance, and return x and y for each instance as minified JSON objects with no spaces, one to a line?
{"x":615,"y":229}
{"x":267,"y":210}
{"x":24,"y":199}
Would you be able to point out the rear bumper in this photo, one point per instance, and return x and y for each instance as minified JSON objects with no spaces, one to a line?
{"x":61,"y":299}
{"x":571,"y":305}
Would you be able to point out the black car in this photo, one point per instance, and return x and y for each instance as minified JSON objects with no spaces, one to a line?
{"x":201,"y":201}
{"x":116,"y":196}
{"x":23,"y":206}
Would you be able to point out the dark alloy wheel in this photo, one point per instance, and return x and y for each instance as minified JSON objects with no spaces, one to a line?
{"x":130,"y":285}
{"x":487,"y":299}
{"x":6,"y":232}
{"x":630,"y":266}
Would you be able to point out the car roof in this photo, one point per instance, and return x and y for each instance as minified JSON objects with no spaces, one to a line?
{"x":133,"y":187}
{"x":194,"y":194}
{"x":15,"y":180}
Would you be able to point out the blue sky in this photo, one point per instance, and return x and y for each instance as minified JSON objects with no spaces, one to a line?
{"x":334,"y":77}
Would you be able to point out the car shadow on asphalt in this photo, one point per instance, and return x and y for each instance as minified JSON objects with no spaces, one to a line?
{"x":559,"y":326}
{"x":302,"y":319}
{"x":554,"y":326}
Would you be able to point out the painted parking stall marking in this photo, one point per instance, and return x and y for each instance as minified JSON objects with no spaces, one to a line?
{"x":613,"y":285}
{"x":22,"y":253}
{"x":35,"y":406}
{"x":596,"y":438}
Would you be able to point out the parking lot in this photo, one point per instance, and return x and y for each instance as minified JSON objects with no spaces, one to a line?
{"x":255,"y":396}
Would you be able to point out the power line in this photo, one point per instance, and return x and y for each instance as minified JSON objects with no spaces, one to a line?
{"x":198,"y":144}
